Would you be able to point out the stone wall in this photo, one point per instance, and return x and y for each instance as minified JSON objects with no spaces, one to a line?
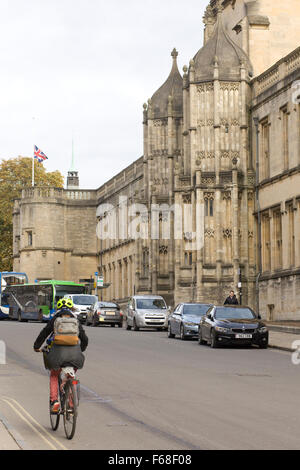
{"x":277,"y":108}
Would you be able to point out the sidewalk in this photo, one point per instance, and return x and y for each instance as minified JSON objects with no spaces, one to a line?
{"x":283,"y":334}
{"x":7,"y":442}
{"x":284,"y":341}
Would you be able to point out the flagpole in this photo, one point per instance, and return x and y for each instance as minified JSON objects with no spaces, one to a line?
{"x":32,"y":182}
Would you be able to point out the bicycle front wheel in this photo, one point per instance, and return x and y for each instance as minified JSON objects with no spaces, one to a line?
{"x":70,"y":409}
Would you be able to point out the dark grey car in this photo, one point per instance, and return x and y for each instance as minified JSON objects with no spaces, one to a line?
{"x":185,"y":319}
{"x":104,"y":313}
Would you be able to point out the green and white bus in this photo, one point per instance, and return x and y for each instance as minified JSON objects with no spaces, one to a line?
{"x":38,"y":301}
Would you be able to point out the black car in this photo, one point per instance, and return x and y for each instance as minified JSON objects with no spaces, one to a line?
{"x":104,"y":313}
{"x":184,"y":321}
{"x":232,"y":324}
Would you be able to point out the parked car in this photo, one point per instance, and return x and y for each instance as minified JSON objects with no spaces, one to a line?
{"x":147,"y":311}
{"x":185,"y":319}
{"x":232,"y":324}
{"x":81,"y":303}
{"x":104,"y":313}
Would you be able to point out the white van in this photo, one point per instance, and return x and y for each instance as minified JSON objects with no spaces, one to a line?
{"x":81,"y":303}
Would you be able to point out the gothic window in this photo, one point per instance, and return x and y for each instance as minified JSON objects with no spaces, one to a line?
{"x":209,"y":228}
{"x":277,"y":236}
{"x":209,"y":207}
{"x":291,"y":235}
{"x":265,"y":149}
{"x":29,"y":238}
{"x":266,"y":243}
{"x":188,"y":258}
{"x":145,"y":262}
{"x":285,"y":137}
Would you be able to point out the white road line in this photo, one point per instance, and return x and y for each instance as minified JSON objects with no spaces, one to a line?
{"x":34,"y":425}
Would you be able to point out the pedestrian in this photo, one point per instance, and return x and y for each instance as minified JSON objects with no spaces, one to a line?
{"x":231,"y":299}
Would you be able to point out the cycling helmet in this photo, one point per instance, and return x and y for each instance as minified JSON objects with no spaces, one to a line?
{"x":64,"y":303}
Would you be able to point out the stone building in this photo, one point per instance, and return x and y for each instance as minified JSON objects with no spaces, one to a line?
{"x":213,"y":203}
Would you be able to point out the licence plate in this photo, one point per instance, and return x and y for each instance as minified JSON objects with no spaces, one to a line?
{"x":110,"y":313}
{"x":243,"y":336}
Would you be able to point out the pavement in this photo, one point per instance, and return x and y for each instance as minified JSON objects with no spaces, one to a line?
{"x":282,"y":335}
{"x":8,"y":436}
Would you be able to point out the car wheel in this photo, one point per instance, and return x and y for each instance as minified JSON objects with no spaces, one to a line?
{"x":263,"y":345}
{"x":128,"y":327}
{"x":120,"y":325}
{"x":182,"y":335}
{"x":135,"y":327}
{"x":170,"y":334}
{"x":112,"y":324}
{"x":213,"y":340}
{"x":200,"y":339}
{"x":94,"y":322}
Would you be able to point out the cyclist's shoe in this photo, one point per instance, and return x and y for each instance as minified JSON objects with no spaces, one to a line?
{"x":55,"y":407}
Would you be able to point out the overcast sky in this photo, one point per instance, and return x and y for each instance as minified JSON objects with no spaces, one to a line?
{"x":84,"y":68}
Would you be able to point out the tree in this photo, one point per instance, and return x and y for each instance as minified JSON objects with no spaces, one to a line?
{"x":15,"y":175}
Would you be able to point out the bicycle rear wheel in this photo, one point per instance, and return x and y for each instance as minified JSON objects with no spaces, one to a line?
{"x":70,"y":409}
{"x":54,"y":420}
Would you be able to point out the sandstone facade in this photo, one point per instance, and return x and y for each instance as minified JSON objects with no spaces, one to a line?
{"x":202,"y":211}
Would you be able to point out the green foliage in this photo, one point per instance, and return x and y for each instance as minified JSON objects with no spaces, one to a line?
{"x":15,"y":175}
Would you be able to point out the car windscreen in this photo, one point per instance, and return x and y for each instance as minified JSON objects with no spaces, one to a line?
{"x":84,"y":299}
{"x":151,"y":304}
{"x":234,"y":313}
{"x":107,"y":305}
{"x":195,"y":309}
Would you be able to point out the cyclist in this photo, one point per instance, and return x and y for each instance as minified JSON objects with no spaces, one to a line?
{"x":61,"y":355}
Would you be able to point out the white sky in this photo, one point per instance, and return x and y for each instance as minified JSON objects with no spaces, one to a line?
{"x":85,"y":68}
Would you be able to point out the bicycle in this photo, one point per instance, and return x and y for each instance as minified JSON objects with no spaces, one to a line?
{"x":69,"y":394}
{"x":68,"y":386}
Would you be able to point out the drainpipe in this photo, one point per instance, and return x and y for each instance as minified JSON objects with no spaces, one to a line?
{"x":259,"y":261}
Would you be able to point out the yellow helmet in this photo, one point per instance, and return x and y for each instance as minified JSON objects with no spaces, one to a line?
{"x":64,"y":303}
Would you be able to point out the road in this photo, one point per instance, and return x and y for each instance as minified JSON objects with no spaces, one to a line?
{"x":142,"y":390}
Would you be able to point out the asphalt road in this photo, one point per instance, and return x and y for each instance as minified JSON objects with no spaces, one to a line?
{"x":142,"y":390}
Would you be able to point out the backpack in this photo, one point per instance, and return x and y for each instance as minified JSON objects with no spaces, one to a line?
{"x":66,"y":331}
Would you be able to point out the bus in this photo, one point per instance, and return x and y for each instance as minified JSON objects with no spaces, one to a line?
{"x":8,"y":278}
{"x":38,"y":301}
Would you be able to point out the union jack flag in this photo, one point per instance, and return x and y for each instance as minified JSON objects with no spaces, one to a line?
{"x":39,"y":155}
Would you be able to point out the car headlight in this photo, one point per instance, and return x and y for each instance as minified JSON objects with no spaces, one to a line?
{"x":263,"y":329}
{"x":222,"y":330}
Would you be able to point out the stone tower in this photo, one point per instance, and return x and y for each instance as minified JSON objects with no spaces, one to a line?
{"x":217,"y":171}
{"x":163,"y":117}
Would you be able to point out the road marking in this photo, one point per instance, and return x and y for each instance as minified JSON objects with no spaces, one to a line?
{"x":34,"y":426}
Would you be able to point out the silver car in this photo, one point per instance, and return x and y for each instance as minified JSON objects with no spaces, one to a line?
{"x":147,"y":311}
